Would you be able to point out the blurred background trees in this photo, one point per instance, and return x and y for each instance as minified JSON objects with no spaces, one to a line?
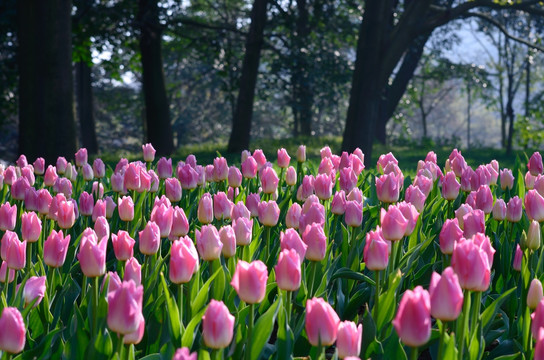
{"x":432,"y":72}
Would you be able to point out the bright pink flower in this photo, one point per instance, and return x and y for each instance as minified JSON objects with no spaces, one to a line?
{"x":393,"y":223}
{"x":353,"y":214}
{"x":220,"y":169}
{"x":86,"y":204}
{"x":326,"y":167}
{"x":102,"y":227}
{"x":136,"y":336}
{"x":188,"y":176}
{"x":349,"y":338}
{"x":12,"y":331}
{"x":288,"y":272}
{"x":249,"y":168}
{"x":222,"y":206}
{"x":534,"y":206}
{"x":217,"y":325}
{"x":316,"y":240}
{"x":162,"y":215}
{"x":185,"y":354}
{"x":172,"y":188}
{"x":269,"y":213}
{"x":514,"y":209}
{"x":31,"y":199}
{"x":99,"y":168}
{"x":180,"y":224}
{"x":183,"y":260}
{"x":386,"y":159}
{"x":249,"y":281}
{"x":449,"y":235}
{"x":507,"y":179}
{"x":123,"y":245}
{"x":148,"y":152}
{"x":291,"y":176}
{"x":290,"y":239}
{"x":55,"y":249}
{"x":240,"y":210}
{"x":228,"y":238}
{"x":31,"y":226}
{"x":283,"y":158}
{"x":473,"y":223}
{"x":92,"y":256}
{"x":446,"y":295}
{"x":450,"y":186}
{"x":99,"y":209}
{"x":164,"y":168}
{"x":323,"y":186}
{"x":19,"y":188}
{"x":471,"y":264}
{"x":535,"y":164}
{"x":387,"y":188}
{"x":537,"y":319}
{"x":292,"y":218}
{"x":338,"y":204}
{"x":376,"y":252}
{"x":413,"y":319}
{"x":242,"y":230}
{"x":533,"y":236}
{"x":87,"y":172}
{"x":321,"y":322}
{"x":39,"y":166}
{"x":44,"y":200}
{"x":34,"y":288}
{"x":10,"y":175}
{"x":132,"y":177}
{"x":208,"y":243}
{"x":269,"y":180}
{"x":81,"y":157}
{"x":125,"y":308}
{"x":416,"y":197}
{"x":205,"y":209}
{"x":484,"y":199}
{"x":8,"y":216}
{"x":348,"y":179}
{"x":13,"y":251}
{"x":234,"y":177}
{"x":150,"y":239}
{"x":411,"y":214}
{"x":126,"y":208}
{"x":133,"y":271}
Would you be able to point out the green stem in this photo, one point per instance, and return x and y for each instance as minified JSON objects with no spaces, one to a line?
{"x":250,"y":330}
{"x":313,"y":264}
{"x":441,"y":343}
{"x":475,"y":313}
{"x":217,"y":354}
{"x":120,"y":347}
{"x":414,"y":354}
{"x":180,"y":300}
{"x":393,"y":261}
{"x":51,"y":284}
{"x":267,"y":244}
{"x":6,"y":283}
{"x":94,"y":328}
{"x":83,"y":289}
{"x":377,"y":295}
{"x":464,"y":324}
{"x":288,"y":306}
{"x":29,"y":256}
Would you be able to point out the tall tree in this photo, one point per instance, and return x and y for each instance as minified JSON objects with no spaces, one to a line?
{"x":46,"y":118}
{"x":382,"y":44}
{"x":241,"y":121}
{"x":157,"y":112}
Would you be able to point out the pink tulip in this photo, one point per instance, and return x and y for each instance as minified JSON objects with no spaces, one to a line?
{"x":99,"y":168}
{"x":121,"y":166}
{"x":172,"y":188}
{"x":416,"y":197}
{"x":290,"y":239}
{"x":243,"y":230}
{"x":148,"y":152}
{"x":217,"y":325}
{"x":3,"y":270}
{"x":234,"y":177}
{"x":348,"y":340}
{"x":499,"y":210}
{"x":205,"y":209}
{"x":185,"y":354}
{"x":288,"y":272}
{"x":529,"y":180}
{"x":31,"y":226}
{"x":449,"y":235}
{"x":424,"y":183}
{"x":92,"y":256}
{"x":118,"y":183}
{"x":353,"y":214}
{"x":162,"y":215}
{"x":269,"y":180}
{"x":126,"y":208}
{"x":163,"y":200}
{"x":19,"y":188}
{"x":10,"y":175}
{"x":123,"y":245}
{"x":208,"y":243}
{"x":327,"y":167}
{"x":81,"y":157}
{"x":222,"y":206}
{"x":269,"y":213}
{"x":507,"y":179}
{"x":393,"y":223}
{"x":321,"y":322}
{"x":31,"y":199}
{"x":385,"y":159}
{"x":376,"y":252}
{"x":249,"y":168}
{"x":145,"y":181}
{"x":458,"y":163}
{"x":188,"y":176}
{"x":34,"y":289}
{"x":183,"y":261}
{"x":387,"y":188}
{"x":484,"y":199}
{"x":249,"y":281}
{"x":125,"y":308}
{"x":39,"y":166}
{"x":12,"y":331}
{"x":136,"y":336}
{"x":534,"y":295}
{"x":13,"y":251}
{"x":517,"y":259}
{"x":301,"y":154}
{"x":164,"y":168}
{"x":348,"y":179}
{"x":537,"y":319}
{"x":228,"y":238}
{"x":312,"y":212}
{"x":461,"y":212}
{"x":252,"y":204}
{"x":411,"y":214}
{"x":306,"y":188}
{"x":133,"y":271}
{"x":473,"y":222}
{"x":220,"y":169}
{"x":316,"y":240}
{"x":471,"y":264}
{"x":180,"y":224}
{"x":55,"y":249}
{"x":535,"y":164}
{"x":534,"y":206}
{"x":240,"y":210}
{"x":65,"y":214}
{"x":338,"y":204}
{"x":132,"y":177}
{"x":539,"y":346}
{"x":446,"y":295}
{"x":191,"y":160}
{"x":291,"y":176}
{"x":323,"y":186}
{"x":413,"y":319}
{"x":86,"y":203}
{"x":28,"y":173}
{"x":533,"y":236}
{"x":514,"y":209}
{"x":87,"y":172}
{"x":99,"y":209}
{"x":292,"y":218}
{"x":102,"y":227}
{"x":98,"y":190}
{"x":44,"y":200}
{"x":283,"y":158}
{"x":450,"y":186}
{"x":150,"y":239}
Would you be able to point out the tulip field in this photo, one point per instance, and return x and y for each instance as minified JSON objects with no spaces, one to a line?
{"x":278,"y":258}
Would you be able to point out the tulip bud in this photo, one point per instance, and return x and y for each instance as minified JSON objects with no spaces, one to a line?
{"x":393,"y":223}
{"x":413,"y":319}
{"x":471,"y":264}
{"x":222,"y":206}
{"x":449,"y":235}
{"x":217,"y":325}
{"x":348,"y":340}
{"x":243,"y":228}
{"x":446,"y":295}
{"x":534,"y":206}
{"x":535,"y":164}
{"x":316,"y":240}
{"x":34,"y":289}
{"x":533,"y":236}
{"x":55,"y":249}
{"x":535,"y":294}
{"x":517,"y":259}
{"x":172,"y":188}
{"x":376,"y":251}
{"x":269,"y":180}
{"x":235,"y":177}
{"x":249,"y":281}
{"x":301,"y":154}
{"x":291,"y":176}
{"x":126,"y":208}
{"x":148,"y":152}
{"x":125,"y":308}
{"x":31,"y":226}
{"x":208,"y":243}
{"x":123,"y":245}
{"x":133,"y":271}
{"x":514,"y":209}
{"x":183,"y":261}
{"x":81,"y":157}
{"x":228,"y":238}
{"x":288,"y":272}
{"x":353,"y":214}
{"x":269,"y":213}
{"x":12,"y":331}
{"x":205,"y":209}
{"x":321,"y":322}
{"x":283,"y":158}
{"x":387,"y":188}
{"x":150,"y":239}
{"x":499,"y":210}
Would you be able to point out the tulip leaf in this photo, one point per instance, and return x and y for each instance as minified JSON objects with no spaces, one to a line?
{"x":202,"y":296}
{"x":263,"y":330}
{"x":393,"y":348}
{"x":345,"y":273}
{"x":152,"y":357}
{"x":188,"y":335}
{"x":490,"y":311}
{"x":286,"y":338}
{"x":388,"y":303}
{"x":173,"y":312}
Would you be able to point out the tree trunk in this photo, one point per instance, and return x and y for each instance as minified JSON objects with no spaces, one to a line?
{"x":368,"y":81}
{"x":157,"y":112}
{"x":46,"y":118}
{"x":302,"y":87}
{"x":469,"y":108}
{"x":510,"y":112}
{"x":241,"y":122}
{"x":84,"y":97}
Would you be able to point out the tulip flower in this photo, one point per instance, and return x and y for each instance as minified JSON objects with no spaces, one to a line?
{"x":283,"y":158}
{"x":65,"y":214}
{"x":150,"y":239}
{"x":471,"y":264}
{"x":353,"y":214}
{"x":136,"y":336}
{"x":148,"y":152}
{"x":499,"y":210}
{"x":183,"y":261}
{"x":288,"y":272}
{"x":424,"y":183}
{"x":514,"y":209}
{"x":269,"y":180}
{"x":222,"y":206}
{"x":416,"y":197}
{"x":234,"y":177}
{"x":13,"y":251}
{"x":517,"y":259}
{"x":123,"y":245}
{"x":228,"y":238}
{"x":338,"y":204}
{"x":301,"y":154}
{"x":450,"y":186}
{"x":376,"y":251}
{"x":269,"y":213}
{"x":162,"y":215}
{"x":217,"y":325}
{"x":208,"y":243}
{"x":102,"y":227}
{"x":316,"y":240}
{"x":535,"y":164}
{"x":205,"y":209}
{"x":413,"y":319}
{"x":393,"y":223}
{"x":133,"y":271}
{"x":92,"y":256}
{"x":172,"y":188}
{"x":125,"y":308}
{"x":323,"y":186}
{"x":39,"y":166}
{"x":34,"y":289}
{"x":8,"y":216}
{"x":411,"y":214}
{"x":249,"y":281}
{"x":81,"y":157}
{"x":446,"y":295}
{"x":537,"y":319}
{"x":55,"y":249}
{"x":291,"y":176}
{"x":385,"y":159}
{"x":348,"y":339}
{"x":31,"y":226}
{"x":290,"y":239}
{"x":534,"y":295}
{"x":3,"y":269}
{"x":449,"y":235}
{"x":12,"y":331}
{"x":473,"y":223}
{"x":321,"y":322}
{"x":185,"y":354}
{"x":507,"y":179}
{"x":126,"y":208}
{"x":387,"y":188}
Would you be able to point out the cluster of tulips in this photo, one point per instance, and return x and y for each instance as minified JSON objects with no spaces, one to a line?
{"x":240,"y":262}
